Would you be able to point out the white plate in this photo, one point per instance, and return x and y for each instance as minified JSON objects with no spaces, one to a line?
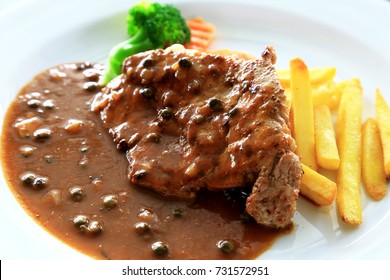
{"x":350,"y":35}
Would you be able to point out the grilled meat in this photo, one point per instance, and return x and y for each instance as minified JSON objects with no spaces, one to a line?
{"x":189,"y":120}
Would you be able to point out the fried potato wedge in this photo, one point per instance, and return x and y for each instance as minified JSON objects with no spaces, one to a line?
{"x":383,"y":118}
{"x":353,"y":85}
{"x":349,"y":143}
{"x":326,"y":147}
{"x":373,"y":171}
{"x":323,"y":93}
{"x":317,"y":187}
{"x":303,"y":115}
{"x":320,"y":75}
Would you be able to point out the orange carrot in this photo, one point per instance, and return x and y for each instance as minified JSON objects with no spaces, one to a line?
{"x":202,"y":33}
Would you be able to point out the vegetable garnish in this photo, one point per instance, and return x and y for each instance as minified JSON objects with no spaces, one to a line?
{"x":202,"y":33}
{"x":150,"y":26}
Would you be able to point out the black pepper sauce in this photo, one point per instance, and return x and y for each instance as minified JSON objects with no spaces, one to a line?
{"x":76,"y":185}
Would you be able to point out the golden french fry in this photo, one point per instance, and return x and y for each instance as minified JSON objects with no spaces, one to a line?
{"x":287,"y":92}
{"x":303,"y":116}
{"x":349,"y":144}
{"x":373,"y":171}
{"x":284,"y":77}
{"x":318,"y":76}
{"x":326,"y":147}
{"x":322,"y":94}
{"x":317,"y":187}
{"x":322,"y":75}
{"x":341,"y":85}
{"x":334,"y":100}
{"x":383,"y":118}
{"x":351,"y":84}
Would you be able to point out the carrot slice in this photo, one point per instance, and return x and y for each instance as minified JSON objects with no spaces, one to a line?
{"x":202,"y":33}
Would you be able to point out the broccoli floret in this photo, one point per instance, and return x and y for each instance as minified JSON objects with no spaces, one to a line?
{"x":150,"y":26}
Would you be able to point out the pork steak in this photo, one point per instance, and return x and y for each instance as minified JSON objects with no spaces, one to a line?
{"x":189,"y":120}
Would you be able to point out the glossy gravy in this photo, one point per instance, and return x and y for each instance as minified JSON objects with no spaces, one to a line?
{"x":65,"y":170}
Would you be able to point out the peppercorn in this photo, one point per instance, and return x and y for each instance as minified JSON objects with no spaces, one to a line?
{"x":147,"y":92}
{"x":226,"y":246}
{"x":42,"y":134}
{"x":91,"y":75}
{"x":166,"y":113}
{"x":33,"y":103}
{"x":40,"y":182}
{"x":28,"y":178}
{"x":110,"y":201}
{"x":122,"y":145}
{"x":84,"y":149}
{"x":83,"y":162}
{"x":198,"y":119}
{"x":141,"y":228}
{"x":76,"y":193}
{"x":95,"y":227}
{"x":48,"y":158}
{"x":233,"y":112}
{"x":177,"y":212}
{"x":160,"y":248}
{"x":185,"y":63}
{"x":48,"y":104}
{"x":91,"y":86}
{"x":80,"y":220}
{"x":147,"y":62}
{"x":27,"y":151}
{"x":153,"y":137}
{"x":215,"y":104}
{"x":139,"y":174}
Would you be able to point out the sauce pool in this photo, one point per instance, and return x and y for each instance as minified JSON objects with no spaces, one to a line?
{"x":68,"y":175}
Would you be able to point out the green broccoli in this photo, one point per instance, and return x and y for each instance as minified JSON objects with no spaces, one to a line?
{"x":150,"y":26}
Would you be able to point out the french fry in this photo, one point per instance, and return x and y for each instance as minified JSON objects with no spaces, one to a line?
{"x":303,"y":116}
{"x":354,"y":86}
{"x":317,"y":187}
{"x":326,"y":147}
{"x":383,"y":118}
{"x":320,"y":75}
{"x":333,"y":102}
{"x":323,"y":93}
{"x":349,"y":144}
{"x":373,"y":171}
